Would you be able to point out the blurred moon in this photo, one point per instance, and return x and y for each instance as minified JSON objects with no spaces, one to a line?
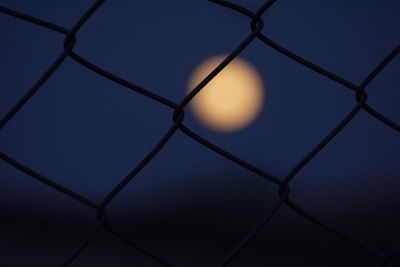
{"x":230,"y":101}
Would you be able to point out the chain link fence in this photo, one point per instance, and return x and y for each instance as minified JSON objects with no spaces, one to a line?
{"x":177,"y":113}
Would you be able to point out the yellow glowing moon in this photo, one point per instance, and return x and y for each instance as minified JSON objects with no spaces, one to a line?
{"x":230,"y":101}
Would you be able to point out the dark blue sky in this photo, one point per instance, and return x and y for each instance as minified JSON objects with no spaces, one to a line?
{"x":87,"y":133}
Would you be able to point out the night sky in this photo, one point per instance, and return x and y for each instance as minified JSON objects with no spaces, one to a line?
{"x":86,"y":132}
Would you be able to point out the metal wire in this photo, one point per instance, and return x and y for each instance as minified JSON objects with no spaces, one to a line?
{"x":256,"y":26}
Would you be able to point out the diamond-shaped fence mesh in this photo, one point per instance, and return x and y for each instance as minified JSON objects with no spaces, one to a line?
{"x":177,"y":113}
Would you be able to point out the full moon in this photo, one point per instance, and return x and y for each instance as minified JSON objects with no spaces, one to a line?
{"x":230,"y":101}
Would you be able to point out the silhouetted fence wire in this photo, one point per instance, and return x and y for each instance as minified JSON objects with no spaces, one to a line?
{"x":256,"y":26}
